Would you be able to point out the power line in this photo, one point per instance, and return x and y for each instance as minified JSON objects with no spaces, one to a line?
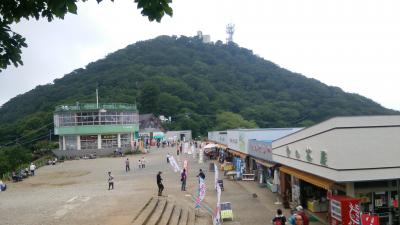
{"x":27,"y":135}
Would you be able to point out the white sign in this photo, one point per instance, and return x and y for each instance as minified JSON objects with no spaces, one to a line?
{"x":174,"y":165}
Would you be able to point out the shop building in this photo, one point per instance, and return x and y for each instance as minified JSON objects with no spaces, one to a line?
{"x":238,"y":147}
{"x":220,"y":137}
{"x":357,"y":157}
{"x":91,"y":128}
{"x":179,"y":135}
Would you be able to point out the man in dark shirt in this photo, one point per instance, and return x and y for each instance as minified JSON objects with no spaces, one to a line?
{"x":201,"y":175}
{"x":159,"y":184}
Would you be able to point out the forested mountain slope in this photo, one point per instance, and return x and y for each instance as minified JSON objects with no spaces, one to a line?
{"x":191,"y":82}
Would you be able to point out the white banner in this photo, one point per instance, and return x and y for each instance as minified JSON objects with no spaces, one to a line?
{"x":217,"y":211}
{"x":216,"y":175}
{"x":174,"y":165}
{"x":202,"y":192}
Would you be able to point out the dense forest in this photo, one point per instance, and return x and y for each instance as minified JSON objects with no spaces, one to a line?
{"x":199,"y":85}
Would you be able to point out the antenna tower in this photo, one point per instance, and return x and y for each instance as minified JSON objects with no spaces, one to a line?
{"x":230,"y":29}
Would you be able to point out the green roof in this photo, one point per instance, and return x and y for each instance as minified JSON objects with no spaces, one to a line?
{"x":93,"y":106}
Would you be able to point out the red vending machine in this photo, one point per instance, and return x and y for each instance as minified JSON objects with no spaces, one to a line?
{"x":344,"y":210}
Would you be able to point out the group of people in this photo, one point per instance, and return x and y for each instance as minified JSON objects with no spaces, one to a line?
{"x":297,"y":218}
{"x":23,"y":173}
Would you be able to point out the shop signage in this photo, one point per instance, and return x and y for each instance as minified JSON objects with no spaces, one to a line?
{"x":367,"y":219}
{"x":288,"y":151}
{"x":345,"y":210}
{"x":297,"y":154}
{"x":324,"y":158}
{"x":262,"y":150}
{"x":308,"y":155}
{"x":233,"y":140}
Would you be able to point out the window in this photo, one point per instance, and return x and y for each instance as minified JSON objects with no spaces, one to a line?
{"x":109,"y":141}
{"x":125,"y":140}
{"x":89,"y":142}
{"x":70,"y":142}
{"x":95,"y":118}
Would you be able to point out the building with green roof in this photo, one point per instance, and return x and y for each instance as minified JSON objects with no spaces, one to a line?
{"x":90,"y":128}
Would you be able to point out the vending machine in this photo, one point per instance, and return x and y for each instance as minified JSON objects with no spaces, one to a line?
{"x":344,"y":210}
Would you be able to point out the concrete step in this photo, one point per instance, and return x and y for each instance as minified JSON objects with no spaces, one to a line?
{"x":142,"y":209}
{"x":146,"y":213}
{"x":176,"y":214}
{"x":192,"y":217}
{"x":166,"y":216}
{"x":156,"y":215}
{"x":184,"y":216}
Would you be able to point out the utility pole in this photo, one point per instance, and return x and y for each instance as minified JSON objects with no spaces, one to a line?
{"x":50,"y":136}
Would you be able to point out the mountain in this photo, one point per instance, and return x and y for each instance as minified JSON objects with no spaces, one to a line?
{"x":192,"y":82}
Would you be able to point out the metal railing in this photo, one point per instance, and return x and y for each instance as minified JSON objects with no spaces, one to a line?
{"x":93,"y":106}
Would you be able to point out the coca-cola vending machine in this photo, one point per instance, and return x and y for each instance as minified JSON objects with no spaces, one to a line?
{"x":344,"y":210}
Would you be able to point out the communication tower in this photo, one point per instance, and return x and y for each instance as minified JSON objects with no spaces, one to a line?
{"x":230,"y":29}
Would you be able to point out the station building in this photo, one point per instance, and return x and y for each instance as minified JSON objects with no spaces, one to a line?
{"x":91,"y":128}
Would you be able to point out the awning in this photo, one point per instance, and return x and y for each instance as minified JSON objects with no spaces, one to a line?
{"x":210,"y":146}
{"x":307,"y":177}
{"x":221,"y":146}
{"x":264,"y":163}
{"x":236,"y":153}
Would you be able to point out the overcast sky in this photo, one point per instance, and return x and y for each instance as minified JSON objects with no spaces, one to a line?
{"x":354,"y":45}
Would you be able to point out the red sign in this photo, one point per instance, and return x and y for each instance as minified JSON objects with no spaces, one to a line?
{"x":367,"y":219}
{"x":345,"y":210}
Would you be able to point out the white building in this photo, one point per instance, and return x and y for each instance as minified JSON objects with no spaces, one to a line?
{"x":356,"y":156}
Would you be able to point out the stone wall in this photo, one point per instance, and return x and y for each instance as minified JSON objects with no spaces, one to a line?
{"x":75,"y":153}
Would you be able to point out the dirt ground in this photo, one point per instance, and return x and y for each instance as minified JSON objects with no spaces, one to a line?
{"x":76,"y":192}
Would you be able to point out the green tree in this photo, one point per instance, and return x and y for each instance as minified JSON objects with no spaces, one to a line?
{"x":230,"y":120}
{"x":12,"y":11}
{"x":149,"y":98}
{"x":13,"y":157}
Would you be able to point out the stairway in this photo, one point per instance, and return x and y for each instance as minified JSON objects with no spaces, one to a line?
{"x":166,"y":211}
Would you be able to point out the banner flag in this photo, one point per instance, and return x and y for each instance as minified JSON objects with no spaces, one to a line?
{"x":216,"y":175}
{"x":202,"y":192}
{"x":174,"y":165}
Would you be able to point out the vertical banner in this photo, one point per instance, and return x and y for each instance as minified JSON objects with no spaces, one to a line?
{"x":217,"y":211}
{"x":185,"y":165}
{"x":216,"y":176}
{"x":174,"y":165}
{"x":202,"y":192}
{"x":238,"y":166}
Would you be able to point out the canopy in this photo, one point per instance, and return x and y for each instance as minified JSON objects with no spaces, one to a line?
{"x":210,"y":146}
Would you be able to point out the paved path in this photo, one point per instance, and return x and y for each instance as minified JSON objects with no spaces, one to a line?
{"x":75,"y":192}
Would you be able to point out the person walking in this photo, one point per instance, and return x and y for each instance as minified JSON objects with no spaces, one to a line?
{"x":168,"y":155}
{"x":183,"y":180}
{"x":143,"y":162}
{"x":159,"y":183}
{"x":140,"y":163}
{"x":32,"y":168}
{"x":201,"y":174}
{"x":298,"y":220}
{"x":300,"y":211}
{"x":279,"y":219}
{"x":110,"y":181}
{"x":127,"y":168}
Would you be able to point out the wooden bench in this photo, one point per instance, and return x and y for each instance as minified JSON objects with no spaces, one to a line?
{"x":248,"y":176}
